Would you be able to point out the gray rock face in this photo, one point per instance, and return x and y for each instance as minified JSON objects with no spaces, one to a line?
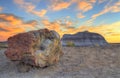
{"x":83,"y":39}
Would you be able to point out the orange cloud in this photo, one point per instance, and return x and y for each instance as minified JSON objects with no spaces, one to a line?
{"x":40,"y":13}
{"x":52,"y":26}
{"x":92,"y":1}
{"x":11,"y":25}
{"x":84,"y":6}
{"x":10,"y":18}
{"x":61,"y":26}
{"x":30,"y":7}
{"x":59,"y":5}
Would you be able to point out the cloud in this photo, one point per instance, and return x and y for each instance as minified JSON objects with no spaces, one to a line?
{"x":113,"y":9}
{"x":11,"y":25}
{"x":32,"y":23}
{"x":61,"y":26}
{"x":8,"y":27}
{"x":80,"y":15}
{"x":30,"y":7}
{"x":13,"y":20}
{"x":52,"y":26}
{"x":84,"y":6}
{"x":40,"y":13}
{"x":1,"y":9}
{"x":3,"y":29}
{"x":92,"y":1}
{"x":57,"y":5}
{"x":90,"y":22}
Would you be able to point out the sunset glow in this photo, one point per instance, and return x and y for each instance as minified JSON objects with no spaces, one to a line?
{"x":63,"y":16}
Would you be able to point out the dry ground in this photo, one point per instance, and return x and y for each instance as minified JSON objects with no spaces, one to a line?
{"x":77,"y":62}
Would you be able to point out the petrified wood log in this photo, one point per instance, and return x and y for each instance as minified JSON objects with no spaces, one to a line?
{"x":38,"y":48}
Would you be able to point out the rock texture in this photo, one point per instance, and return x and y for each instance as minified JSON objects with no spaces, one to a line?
{"x":38,"y":48}
{"x":84,"y":39}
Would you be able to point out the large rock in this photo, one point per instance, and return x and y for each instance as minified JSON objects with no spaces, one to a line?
{"x":83,"y":39}
{"x":38,"y":48}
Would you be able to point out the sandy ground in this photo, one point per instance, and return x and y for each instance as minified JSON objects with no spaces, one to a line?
{"x":77,"y":62}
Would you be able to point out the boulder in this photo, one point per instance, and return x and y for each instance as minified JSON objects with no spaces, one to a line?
{"x":37,"y":48}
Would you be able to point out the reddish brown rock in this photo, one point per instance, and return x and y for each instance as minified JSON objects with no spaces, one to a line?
{"x":39,"y":48}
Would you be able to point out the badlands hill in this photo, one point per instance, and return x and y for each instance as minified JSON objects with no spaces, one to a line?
{"x":84,"y":39}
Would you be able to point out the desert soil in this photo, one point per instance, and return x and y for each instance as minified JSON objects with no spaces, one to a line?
{"x":77,"y":62}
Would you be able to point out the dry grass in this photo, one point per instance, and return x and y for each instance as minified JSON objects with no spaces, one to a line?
{"x":77,"y":62}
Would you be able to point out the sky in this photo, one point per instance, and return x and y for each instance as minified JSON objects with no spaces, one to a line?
{"x":63,"y":16}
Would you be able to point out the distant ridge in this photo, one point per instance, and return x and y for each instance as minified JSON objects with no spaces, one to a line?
{"x":3,"y":44}
{"x":85,"y":38}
